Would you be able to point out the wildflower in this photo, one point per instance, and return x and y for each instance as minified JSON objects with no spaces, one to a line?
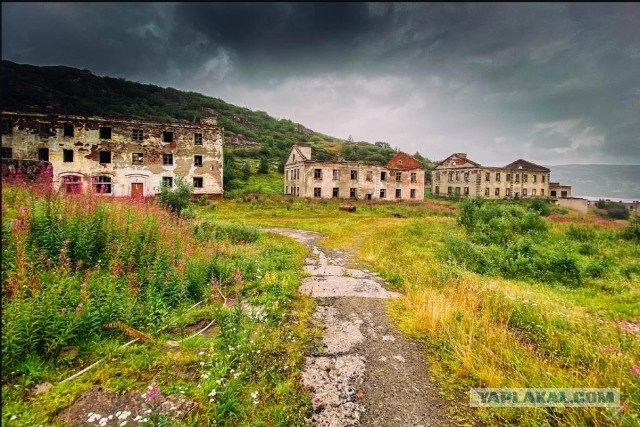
{"x":635,"y":370}
{"x":212,"y":393}
{"x":237,"y":276}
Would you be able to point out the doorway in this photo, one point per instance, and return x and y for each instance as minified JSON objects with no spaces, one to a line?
{"x":137,"y":190}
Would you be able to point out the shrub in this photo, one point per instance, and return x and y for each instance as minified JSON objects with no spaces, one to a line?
{"x":541,"y":206}
{"x":178,"y":197}
{"x":632,"y":231}
{"x":581,"y":234}
{"x":617,"y":211}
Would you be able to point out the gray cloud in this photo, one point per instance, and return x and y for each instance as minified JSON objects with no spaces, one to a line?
{"x":555,"y":83}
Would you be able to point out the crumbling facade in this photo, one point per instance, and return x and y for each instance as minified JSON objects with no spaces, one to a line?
{"x":402,"y":178}
{"x":559,"y":191}
{"x":118,"y":156}
{"x":459,"y":176}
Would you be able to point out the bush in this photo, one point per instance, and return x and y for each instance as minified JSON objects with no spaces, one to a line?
{"x":541,"y":206}
{"x":617,"y":211}
{"x":632,"y":231}
{"x":178,"y":197}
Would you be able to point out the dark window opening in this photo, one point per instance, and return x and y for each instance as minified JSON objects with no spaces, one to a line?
{"x":105,"y":157}
{"x":466,"y":191}
{"x":67,"y":156}
{"x":413,"y":193}
{"x":197,"y":139}
{"x":167,"y":181}
{"x":414,"y":177}
{"x":197,"y":160}
{"x":317,"y":192}
{"x":105,"y":133}
{"x":167,"y":136}
{"x":67,"y":130}
{"x":352,"y":193}
{"x":383,"y":176}
{"x":317,"y":174}
{"x":167,"y":159}
{"x":336,"y":192}
{"x":138,"y":135}
{"x":72,"y":184}
{"x":398,"y":193}
{"x":383,"y":193}
{"x":487,"y":176}
{"x":102,"y":184}
{"x":354,"y":174}
{"x":45,"y":129}
{"x":43,"y":154}
{"x":137,"y":158}
{"x":7,"y":126}
{"x":7,"y":153}
{"x":497,"y":177}
{"x":197,"y":182}
{"x":369,"y":196}
{"x":398,"y":176}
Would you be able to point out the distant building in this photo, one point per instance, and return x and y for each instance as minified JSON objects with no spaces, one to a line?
{"x":559,"y":191}
{"x":402,"y":178}
{"x":115,"y":155}
{"x":457,"y":175}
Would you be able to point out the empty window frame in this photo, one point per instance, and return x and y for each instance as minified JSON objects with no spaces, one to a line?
{"x":466,"y":176}
{"x":517,"y":176}
{"x":508,"y":177}
{"x":354,"y":174}
{"x":398,"y":193}
{"x":197,"y":139}
{"x":466,"y":191}
{"x":43,"y":154}
{"x":102,"y":184}
{"x":414,"y":177}
{"x":449,"y":190}
{"x":137,"y":158}
{"x":317,"y":174}
{"x":457,"y":175}
{"x":7,"y":126}
{"x":369,"y":176}
{"x":533,"y":191}
{"x":197,"y":160}
{"x":383,"y":176}
{"x":486,"y":191}
{"x":105,"y":132}
{"x":317,"y":192}
{"x":167,"y":181}
{"x":198,"y":182}
{"x":167,"y":159}
{"x":525,"y":177}
{"x":534,"y":178}
{"x":487,"y":176}
{"x":497,"y":192}
{"x":412,"y":193}
{"x":7,"y":153}
{"x":72,"y":184}
{"x":105,"y":157}
{"x":437,"y":176}
{"x":167,"y":136}
{"x":507,"y":192}
{"x":544,"y":178}
{"x":138,"y":135}
{"x":450,"y":178}
{"x":336,"y":192}
{"x":45,"y":129}
{"x":497,"y":176}
{"x":67,"y":156}
{"x":437,"y":189}
{"x":336,"y":174}
{"x":398,"y":176}
{"x":353,"y":193}
{"x":383,"y":193}
{"x":68,"y":130}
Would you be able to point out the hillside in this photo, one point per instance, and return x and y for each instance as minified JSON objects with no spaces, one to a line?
{"x":249,"y":135}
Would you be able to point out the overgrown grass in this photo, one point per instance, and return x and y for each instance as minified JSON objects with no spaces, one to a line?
{"x":488,"y":324}
{"x":73,"y":264}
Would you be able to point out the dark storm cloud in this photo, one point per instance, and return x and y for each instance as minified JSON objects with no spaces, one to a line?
{"x":548,"y":81}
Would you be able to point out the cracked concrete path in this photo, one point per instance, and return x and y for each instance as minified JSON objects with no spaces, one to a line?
{"x":368,"y":373}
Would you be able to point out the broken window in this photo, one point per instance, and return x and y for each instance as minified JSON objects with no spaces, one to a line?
{"x":553,"y":193}
{"x":67,"y":130}
{"x":287,"y":175}
{"x":336,"y":192}
{"x":414,"y":177}
{"x":317,"y":174}
{"x":457,"y":176}
{"x":542,"y":191}
{"x":508,"y":177}
{"x":354,"y":174}
{"x":525,"y":177}
{"x":543,"y":178}
{"x":167,"y":181}
{"x":167,"y":136}
{"x":317,"y":192}
{"x":563,"y":194}
{"x":7,"y":153}
{"x":398,"y":193}
{"x":167,"y":159}
{"x":7,"y":126}
{"x":497,"y":176}
{"x":383,"y":176}
{"x":197,"y":139}
{"x":102,"y":184}
{"x":197,"y":182}
{"x":487,"y":176}
{"x":437,"y":189}
{"x":369,"y":176}
{"x":508,"y":192}
{"x":383,"y":193}
{"x":286,"y":189}
{"x":449,"y":190}
{"x":105,"y":132}
{"x":412,"y":193}
{"x":43,"y":154}
{"x":466,"y":191}
{"x":486,"y":191}
{"x":457,"y":191}
{"x":524,"y":191}
{"x":67,"y":156}
{"x":369,"y":196}
{"x":336,"y":174}
{"x":450,"y":176}
{"x":352,"y":193}
{"x":466,"y":176}
{"x":137,"y":158}
{"x":497,"y":192}
{"x":45,"y":129}
{"x":138,"y":135}
{"x":398,"y":176}
{"x":533,"y":191}
{"x":105,"y":157}
{"x":534,"y":178}
{"x":517,"y":177}
{"x":72,"y":183}
{"x":197,"y":160}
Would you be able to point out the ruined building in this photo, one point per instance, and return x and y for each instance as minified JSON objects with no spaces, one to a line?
{"x":402,"y":178}
{"x":460,"y":176}
{"x":118,"y":156}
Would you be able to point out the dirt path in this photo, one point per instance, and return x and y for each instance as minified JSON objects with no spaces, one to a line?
{"x":367,"y":374}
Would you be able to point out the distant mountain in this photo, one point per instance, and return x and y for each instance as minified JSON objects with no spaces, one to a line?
{"x":249,"y":135}
{"x":600,"y":181}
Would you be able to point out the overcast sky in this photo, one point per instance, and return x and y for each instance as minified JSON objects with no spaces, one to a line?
{"x":551,"y":83}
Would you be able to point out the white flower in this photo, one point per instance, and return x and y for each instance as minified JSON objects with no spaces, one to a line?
{"x":254,"y":394}
{"x":212,"y":393}
{"x":201,"y":353}
{"x":201,"y":363}
{"x":13,"y":417}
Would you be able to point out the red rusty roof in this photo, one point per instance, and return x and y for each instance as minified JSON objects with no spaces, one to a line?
{"x":403,"y":161}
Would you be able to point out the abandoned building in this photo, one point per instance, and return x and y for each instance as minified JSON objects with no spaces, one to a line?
{"x":459,"y":176}
{"x":559,"y":191}
{"x":118,"y":156}
{"x":402,"y":178}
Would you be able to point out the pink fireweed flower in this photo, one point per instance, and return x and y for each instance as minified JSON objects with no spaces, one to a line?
{"x":153,"y":395}
{"x":635,"y":370}
{"x":238,"y":276}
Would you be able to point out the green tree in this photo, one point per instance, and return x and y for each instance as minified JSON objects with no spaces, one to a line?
{"x":178,"y":197}
{"x":246,"y":171}
{"x":264,"y":166}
